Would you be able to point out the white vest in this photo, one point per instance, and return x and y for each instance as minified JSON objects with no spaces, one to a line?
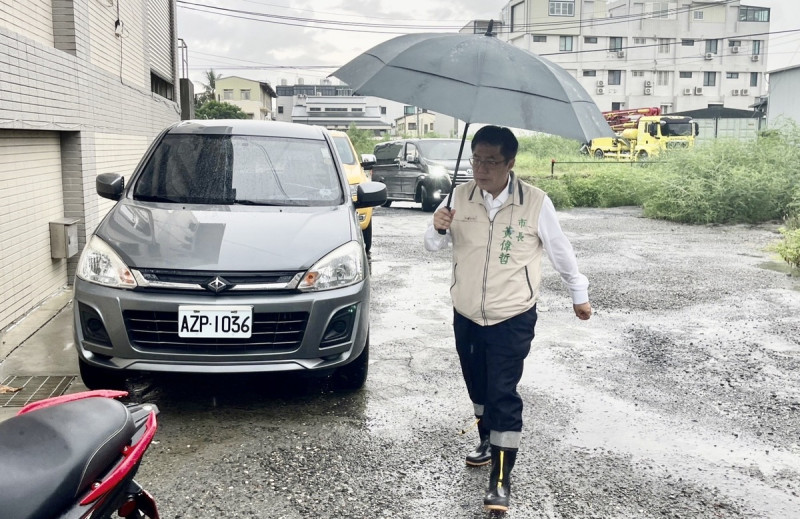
{"x":496,"y":264}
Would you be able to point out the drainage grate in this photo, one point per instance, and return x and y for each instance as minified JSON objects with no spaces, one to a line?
{"x":34,"y":388}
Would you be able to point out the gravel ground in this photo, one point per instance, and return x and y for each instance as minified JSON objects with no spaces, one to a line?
{"x":680,"y":398}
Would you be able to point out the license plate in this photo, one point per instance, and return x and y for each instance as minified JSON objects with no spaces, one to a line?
{"x":215,"y":321}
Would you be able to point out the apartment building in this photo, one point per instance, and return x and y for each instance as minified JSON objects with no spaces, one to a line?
{"x":678,"y":55}
{"x":334,"y":107}
{"x":253,"y":97}
{"x":86,"y":86}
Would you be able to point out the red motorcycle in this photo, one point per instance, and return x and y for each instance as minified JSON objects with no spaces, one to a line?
{"x":74,"y":457}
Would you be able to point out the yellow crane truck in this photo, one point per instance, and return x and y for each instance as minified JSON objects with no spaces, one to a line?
{"x":646,"y":137}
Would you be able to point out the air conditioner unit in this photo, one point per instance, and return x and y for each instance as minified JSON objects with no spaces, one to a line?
{"x":687,"y":91}
{"x":621,"y":54}
{"x":698,"y":91}
{"x":734,"y":92}
{"x":648,"y":84}
{"x":744,"y":92}
{"x":709,"y":55}
{"x":754,"y":57}
{"x":648,"y":91}
{"x":601,"y":83}
{"x":600,"y":91}
{"x":735,"y":50}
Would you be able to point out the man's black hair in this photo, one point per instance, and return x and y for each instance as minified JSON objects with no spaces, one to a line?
{"x":497,"y":136}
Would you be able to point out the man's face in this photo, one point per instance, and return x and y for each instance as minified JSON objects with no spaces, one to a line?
{"x":490,"y":168}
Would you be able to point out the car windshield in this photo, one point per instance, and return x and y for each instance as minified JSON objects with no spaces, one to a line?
{"x":243,"y":169}
{"x":676,"y":130}
{"x":440,"y":150}
{"x":344,"y":149}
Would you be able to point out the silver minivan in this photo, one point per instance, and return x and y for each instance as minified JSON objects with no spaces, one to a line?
{"x":234,"y":247}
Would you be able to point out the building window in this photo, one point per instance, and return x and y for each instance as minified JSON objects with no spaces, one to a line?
{"x":662,"y":78}
{"x":698,"y":14}
{"x":565,"y":43}
{"x":562,"y":8}
{"x":753,"y":79}
{"x":665,"y":109}
{"x":412,"y":126}
{"x":640,"y":41}
{"x":637,"y":73}
{"x":660,"y":9}
{"x":590,"y":39}
{"x":663,"y":45}
{"x":518,"y":17}
{"x":614,"y":77}
{"x":315,"y":109}
{"x":734,"y":43}
{"x":753,"y":14}
{"x":589,"y":73}
{"x":685,"y":75}
{"x":615,"y":44}
{"x":280,"y":109}
{"x":687,"y":43}
{"x":757,"y":47}
{"x":539,"y":39}
{"x":732,"y":75}
{"x":383,"y":110}
{"x":161,"y":87}
{"x":709,"y":78}
{"x":244,"y":95}
{"x":335,"y":109}
{"x":227,"y":94}
{"x":356,"y":110}
{"x":712,"y":46}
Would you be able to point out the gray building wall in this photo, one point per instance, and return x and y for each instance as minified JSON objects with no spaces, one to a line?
{"x":69,"y":70}
{"x":784,"y":103}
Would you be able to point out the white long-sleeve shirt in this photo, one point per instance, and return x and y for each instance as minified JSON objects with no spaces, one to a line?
{"x":556,"y":245}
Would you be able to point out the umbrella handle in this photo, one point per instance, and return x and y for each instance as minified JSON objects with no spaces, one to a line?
{"x":455,"y":173}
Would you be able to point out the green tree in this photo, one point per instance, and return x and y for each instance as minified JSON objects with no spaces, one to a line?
{"x":362,"y":140}
{"x":209,"y":88}
{"x":216,"y":110}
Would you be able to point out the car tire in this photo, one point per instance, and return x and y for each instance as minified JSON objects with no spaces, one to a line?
{"x":643,"y":155}
{"x":94,"y":377}
{"x":367,"y":236}
{"x":352,"y":377}
{"x":428,"y":205}
{"x":387,"y":203}
{"x":598,"y":154}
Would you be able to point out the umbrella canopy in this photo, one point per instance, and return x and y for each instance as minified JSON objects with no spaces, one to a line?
{"x":478,"y":79}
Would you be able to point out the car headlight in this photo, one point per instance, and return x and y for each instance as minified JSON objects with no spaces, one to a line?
{"x":437,"y":171}
{"x":340,"y":268}
{"x":100,"y":264}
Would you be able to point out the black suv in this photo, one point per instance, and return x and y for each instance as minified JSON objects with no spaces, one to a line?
{"x":420,"y":170}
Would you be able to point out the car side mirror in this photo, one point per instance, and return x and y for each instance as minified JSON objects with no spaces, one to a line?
{"x":412,"y":159}
{"x":368,"y":160}
{"x":370,"y":194}
{"x":110,"y":185}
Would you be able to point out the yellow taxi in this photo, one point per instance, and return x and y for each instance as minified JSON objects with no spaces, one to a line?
{"x":355,"y":176}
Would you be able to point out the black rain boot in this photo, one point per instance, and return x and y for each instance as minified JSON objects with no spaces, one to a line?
{"x":499,"y":491}
{"x":482,"y":454}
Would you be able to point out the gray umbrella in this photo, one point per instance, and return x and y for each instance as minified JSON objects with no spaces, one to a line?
{"x":477,"y":79}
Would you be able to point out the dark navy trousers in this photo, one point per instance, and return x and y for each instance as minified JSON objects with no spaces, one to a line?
{"x":492,"y":359}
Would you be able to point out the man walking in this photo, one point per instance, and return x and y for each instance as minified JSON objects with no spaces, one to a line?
{"x":499,"y":226}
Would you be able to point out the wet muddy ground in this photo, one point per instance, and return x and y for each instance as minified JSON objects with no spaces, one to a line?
{"x":680,"y":398}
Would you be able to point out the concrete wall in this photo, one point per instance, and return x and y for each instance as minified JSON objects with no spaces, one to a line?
{"x":75,"y":101}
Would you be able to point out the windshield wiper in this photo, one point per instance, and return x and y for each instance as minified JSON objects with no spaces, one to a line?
{"x":260,"y":202}
{"x":154,"y":198}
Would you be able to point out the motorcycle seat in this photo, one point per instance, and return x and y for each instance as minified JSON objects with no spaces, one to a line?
{"x":51,"y":456}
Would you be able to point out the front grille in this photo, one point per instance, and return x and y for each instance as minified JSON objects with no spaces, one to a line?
{"x":462,"y":177}
{"x":158,"y":332}
{"x":677,"y":144}
{"x":199,"y":276}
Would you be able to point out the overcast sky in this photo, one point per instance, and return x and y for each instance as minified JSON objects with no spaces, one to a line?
{"x":309,"y":39}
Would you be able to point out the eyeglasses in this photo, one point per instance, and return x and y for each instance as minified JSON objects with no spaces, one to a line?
{"x":488,"y":163}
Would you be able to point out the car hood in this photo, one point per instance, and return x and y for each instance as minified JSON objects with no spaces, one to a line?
{"x":225,"y":238}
